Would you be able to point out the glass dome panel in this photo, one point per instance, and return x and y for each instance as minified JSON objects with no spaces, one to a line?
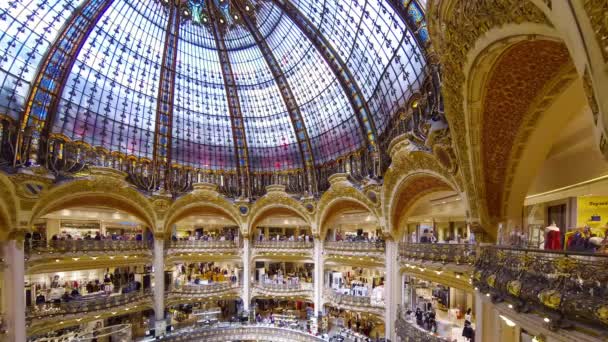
{"x":110,"y":96}
{"x":202,"y":133}
{"x":27,"y":29}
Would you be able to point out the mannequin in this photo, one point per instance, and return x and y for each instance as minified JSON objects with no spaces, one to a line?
{"x":553,"y":237}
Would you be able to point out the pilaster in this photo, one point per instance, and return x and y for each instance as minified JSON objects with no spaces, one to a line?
{"x":159,"y":284}
{"x":13,"y":253}
{"x":246,"y":274}
{"x":318,"y":276}
{"x":392,"y":290}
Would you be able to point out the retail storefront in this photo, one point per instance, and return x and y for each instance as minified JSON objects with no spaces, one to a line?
{"x":436,"y":307}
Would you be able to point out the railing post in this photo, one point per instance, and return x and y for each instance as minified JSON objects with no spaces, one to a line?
{"x":159,"y":285}
{"x":13,"y":253}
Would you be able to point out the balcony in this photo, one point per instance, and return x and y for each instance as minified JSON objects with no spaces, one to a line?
{"x":565,"y":287}
{"x":44,"y":249}
{"x":354,"y":303}
{"x":62,"y":255}
{"x":191,"y":249}
{"x":184,"y":293}
{"x":240,"y":333}
{"x":458,"y":258}
{"x":98,"y":305}
{"x":366,"y":251}
{"x":267,"y":290}
{"x":283,"y":248}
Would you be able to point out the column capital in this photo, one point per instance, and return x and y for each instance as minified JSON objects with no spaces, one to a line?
{"x":159,"y":236}
{"x":18,"y":234}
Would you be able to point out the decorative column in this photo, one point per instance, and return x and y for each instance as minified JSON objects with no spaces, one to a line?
{"x":246,"y":273}
{"x":159,"y":285}
{"x":391,"y":288}
{"x":318,"y":276}
{"x":14,"y":280}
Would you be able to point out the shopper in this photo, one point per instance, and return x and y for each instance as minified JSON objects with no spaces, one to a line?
{"x":467,"y":332}
{"x":467,"y":316}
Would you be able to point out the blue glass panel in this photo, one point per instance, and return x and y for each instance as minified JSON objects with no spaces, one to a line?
{"x":27,"y":29}
{"x":110,"y":96}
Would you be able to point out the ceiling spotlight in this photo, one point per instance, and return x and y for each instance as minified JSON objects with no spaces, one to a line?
{"x":222,"y":21}
{"x":236,"y":17}
{"x":247,"y":8}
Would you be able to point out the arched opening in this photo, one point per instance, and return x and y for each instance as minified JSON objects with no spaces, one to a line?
{"x":282,"y":264}
{"x":203,"y":271}
{"x":83,"y":257}
{"x":349,"y":220}
{"x":525,"y":101}
{"x":425,"y":207}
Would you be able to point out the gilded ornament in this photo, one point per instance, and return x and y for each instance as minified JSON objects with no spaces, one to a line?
{"x":514,"y":287}
{"x":550,"y":298}
{"x":491,"y":280}
{"x":602,"y":313}
{"x":565,"y":264}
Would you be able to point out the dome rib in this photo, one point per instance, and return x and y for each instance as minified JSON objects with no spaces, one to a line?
{"x":340,"y":70}
{"x":234,"y":108}
{"x":166,"y":89}
{"x":293,"y":108}
{"x":44,"y":97}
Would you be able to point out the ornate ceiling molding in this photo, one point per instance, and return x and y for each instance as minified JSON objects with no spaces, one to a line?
{"x":516,"y":80}
{"x":455,"y":27}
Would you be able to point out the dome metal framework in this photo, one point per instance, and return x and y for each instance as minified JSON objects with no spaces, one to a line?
{"x":249,"y":90}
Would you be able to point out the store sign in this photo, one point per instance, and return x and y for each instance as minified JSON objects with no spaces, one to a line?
{"x":592,"y":211}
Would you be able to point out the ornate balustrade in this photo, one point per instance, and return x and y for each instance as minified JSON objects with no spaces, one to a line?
{"x":283,"y":290}
{"x":409,"y":332}
{"x":189,"y":292}
{"x":283,"y":244}
{"x":562,"y":286}
{"x":349,"y":302}
{"x":438,"y":252}
{"x":55,"y":311}
{"x":240,"y":332}
{"x":356,"y":247}
{"x":42,"y":249}
{"x":186,"y":246}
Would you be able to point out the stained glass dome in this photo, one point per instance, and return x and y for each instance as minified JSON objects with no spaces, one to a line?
{"x":216,"y":84}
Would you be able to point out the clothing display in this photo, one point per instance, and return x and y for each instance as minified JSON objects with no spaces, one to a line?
{"x":553,"y":240}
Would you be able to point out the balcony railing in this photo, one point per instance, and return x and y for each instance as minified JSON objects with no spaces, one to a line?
{"x":355,"y":246}
{"x":563,"y":286}
{"x":409,"y":332}
{"x":195,"y":290}
{"x":438,"y":252}
{"x":84,"y":305}
{"x":77,"y":246}
{"x":285,"y":287}
{"x":345,"y":299}
{"x":283,"y":244}
{"x":202,"y":244}
{"x":240,"y":332}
